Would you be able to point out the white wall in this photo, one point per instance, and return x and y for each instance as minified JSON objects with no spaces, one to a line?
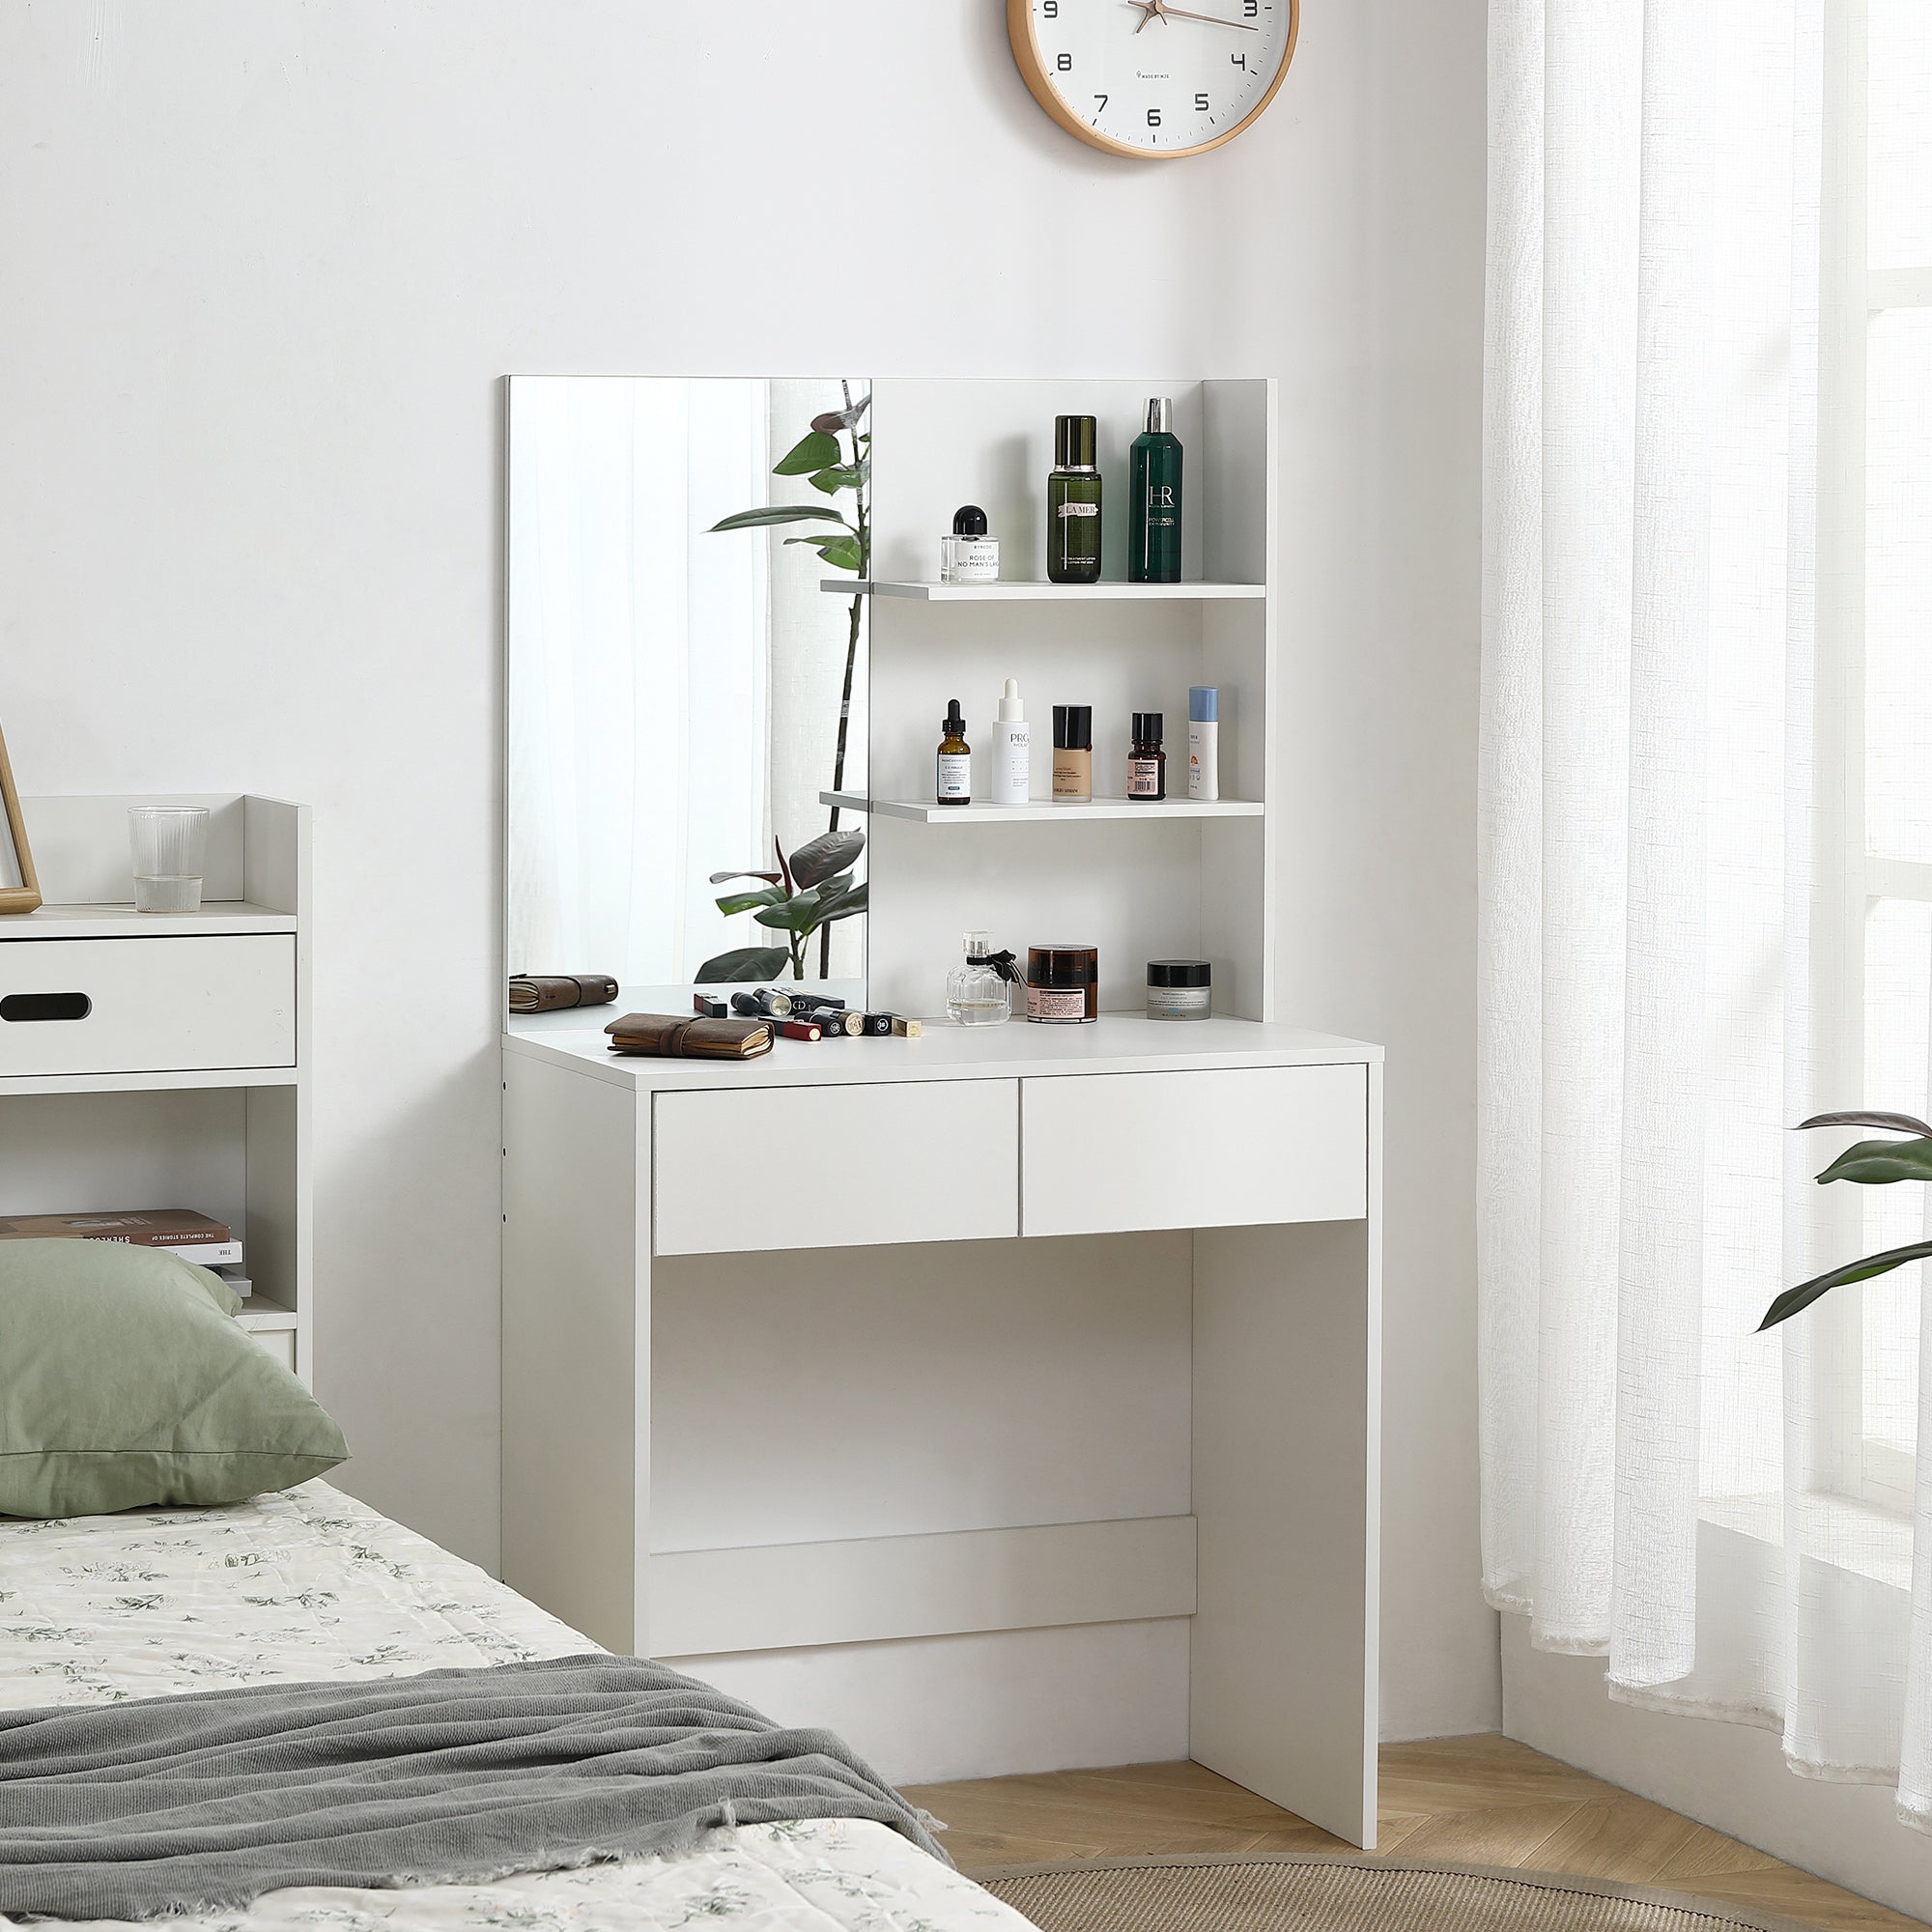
{"x":264,"y":265}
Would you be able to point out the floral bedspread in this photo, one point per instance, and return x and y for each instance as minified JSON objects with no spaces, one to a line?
{"x":312,"y":1585}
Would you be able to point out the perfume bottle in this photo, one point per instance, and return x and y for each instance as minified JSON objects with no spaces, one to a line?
{"x":975,"y":995}
{"x":1153,"y":514}
{"x":969,"y":555}
{"x":1074,"y":502}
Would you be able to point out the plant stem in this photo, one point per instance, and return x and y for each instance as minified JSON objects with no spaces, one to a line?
{"x":856,"y":618}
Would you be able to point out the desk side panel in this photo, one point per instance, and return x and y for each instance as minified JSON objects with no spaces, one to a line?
{"x":576,"y":1348}
{"x":1287,"y":1375}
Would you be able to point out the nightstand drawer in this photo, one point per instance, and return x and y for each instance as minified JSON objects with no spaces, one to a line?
{"x":147,"y":1006}
{"x":836,"y":1167}
{"x":280,"y":1343}
{"x":1237,"y":1149}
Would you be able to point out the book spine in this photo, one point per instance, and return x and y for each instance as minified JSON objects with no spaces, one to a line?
{"x":203,"y":1254}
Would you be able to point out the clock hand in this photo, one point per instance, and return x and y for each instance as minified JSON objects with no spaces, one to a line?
{"x":1150,"y":9}
{"x":1168,"y":13}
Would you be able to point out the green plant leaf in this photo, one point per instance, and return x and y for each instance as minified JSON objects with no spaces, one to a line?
{"x":779,"y":513}
{"x":1874,"y":1163}
{"x":844,"y":554}
{"x":1898,"y":1123}
{"x":839,"y":905}
{"x":814,"y":450}
{"x":818,"y":859}
{"x":747,"y":963}
{"x":841,"y":477}
{"x":771,"y":878}
{"x":798,"y":914}
{"x":1794,"y":1300}
{"x":736,"y":902}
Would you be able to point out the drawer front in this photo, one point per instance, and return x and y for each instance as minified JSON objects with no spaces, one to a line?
{"x":1221,"y":1149}
{"x":280,"y":1343}
{"x":835,"y":1167}
{"x":147,"y":1006}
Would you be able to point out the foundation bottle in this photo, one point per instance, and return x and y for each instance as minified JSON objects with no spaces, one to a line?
{"x":1073,"y":754}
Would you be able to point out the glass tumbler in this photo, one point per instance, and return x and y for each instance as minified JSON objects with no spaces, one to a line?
{"x":169,"y":843}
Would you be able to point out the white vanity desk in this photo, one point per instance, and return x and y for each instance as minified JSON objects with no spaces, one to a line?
{"x":1262,"y":1139}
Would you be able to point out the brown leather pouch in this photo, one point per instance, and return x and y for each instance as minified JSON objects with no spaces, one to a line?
{"x":666,"y":1036}
{"x":551,"y":992}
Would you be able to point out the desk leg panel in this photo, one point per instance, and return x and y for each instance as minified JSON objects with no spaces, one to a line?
{"x":1287,"y":1398}
{"x":576,"y":1348}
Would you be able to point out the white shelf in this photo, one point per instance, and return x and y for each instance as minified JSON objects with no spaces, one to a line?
{"x":214,"y":917}
{"x":263,"y":1316}
{"x":1020,"y":592}
{"x":1041,"y":810}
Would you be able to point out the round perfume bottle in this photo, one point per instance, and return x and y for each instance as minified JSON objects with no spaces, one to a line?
{"x":975,"y":995}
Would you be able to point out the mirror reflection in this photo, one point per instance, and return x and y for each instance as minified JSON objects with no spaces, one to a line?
{"x":684,"y":687}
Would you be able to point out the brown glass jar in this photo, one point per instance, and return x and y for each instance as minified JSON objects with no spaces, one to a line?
{"x":1064,"y":984}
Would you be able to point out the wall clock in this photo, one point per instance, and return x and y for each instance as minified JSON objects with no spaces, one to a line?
{"x":1154,"y":79}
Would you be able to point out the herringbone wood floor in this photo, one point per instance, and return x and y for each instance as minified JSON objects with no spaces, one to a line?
{"x":1465,"y":1801}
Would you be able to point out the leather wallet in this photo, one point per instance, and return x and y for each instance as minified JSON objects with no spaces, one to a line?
{"x":551,"y":992}
{"x":666,"y":1036}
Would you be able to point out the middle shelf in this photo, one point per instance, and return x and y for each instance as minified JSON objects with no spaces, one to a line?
{"x":1039,"y":810}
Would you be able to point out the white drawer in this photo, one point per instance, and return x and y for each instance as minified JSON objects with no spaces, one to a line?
{"x":836,"y":1167}
{"x":280,"y":1343}
{"x":147,"y":1006}
{"x":1218,"y":1149}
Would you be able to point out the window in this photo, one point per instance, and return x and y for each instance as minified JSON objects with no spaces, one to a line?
{"x":1875,"y":617}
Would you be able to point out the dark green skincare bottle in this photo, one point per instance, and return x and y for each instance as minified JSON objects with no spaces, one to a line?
{"x":1154,"y":516}
{"x":1074,"y":502}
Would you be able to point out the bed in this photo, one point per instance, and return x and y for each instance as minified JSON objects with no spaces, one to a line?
{"x":311,"y":1585}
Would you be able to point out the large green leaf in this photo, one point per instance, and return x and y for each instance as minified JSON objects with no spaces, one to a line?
{"x":818,"y":859}
{"x":1874,"y":1163}
{"x":841,"y":552}
{"x":839,"y":477}
{"x":1899,"y":1123}
{"x":771,"y":878}
{"x":747,"y":963}
{"x":840,"y":904}
{"x":736,"y":902}
{"x":814,"y":450}
{"x":1794,"y":1300}
{"x":797,"y":914}
{"x":779,"y":513}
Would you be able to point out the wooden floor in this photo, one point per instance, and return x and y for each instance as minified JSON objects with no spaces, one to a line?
{"x":1467,"y":1801}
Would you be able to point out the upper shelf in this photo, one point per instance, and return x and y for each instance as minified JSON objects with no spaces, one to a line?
{"x":1013,"y":591}
{"x":213,"y":916}
{"x":1041,"y":810}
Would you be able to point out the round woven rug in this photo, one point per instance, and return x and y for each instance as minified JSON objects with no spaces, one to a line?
{"x":1281,"y":1892}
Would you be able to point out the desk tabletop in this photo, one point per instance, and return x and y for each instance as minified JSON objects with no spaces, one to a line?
{"x":1114,"y":1044}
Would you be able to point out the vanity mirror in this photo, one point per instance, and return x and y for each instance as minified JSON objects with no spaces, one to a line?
{"x":681,"y":689}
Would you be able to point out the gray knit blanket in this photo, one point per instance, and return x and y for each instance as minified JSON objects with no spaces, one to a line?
{"x":206,"y":1802}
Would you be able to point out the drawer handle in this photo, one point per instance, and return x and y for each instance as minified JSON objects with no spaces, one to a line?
{"x":46,"y":1006}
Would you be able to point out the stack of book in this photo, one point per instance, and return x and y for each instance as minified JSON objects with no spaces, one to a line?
{"x":174,"y":1230}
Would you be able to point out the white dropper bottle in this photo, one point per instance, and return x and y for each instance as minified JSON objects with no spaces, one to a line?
{"x":1012,"y":751}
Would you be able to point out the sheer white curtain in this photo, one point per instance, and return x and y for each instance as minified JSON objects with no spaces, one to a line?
{"x":1707,"y":853}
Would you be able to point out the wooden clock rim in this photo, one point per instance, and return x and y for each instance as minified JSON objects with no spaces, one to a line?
{"x":1031,"y":63}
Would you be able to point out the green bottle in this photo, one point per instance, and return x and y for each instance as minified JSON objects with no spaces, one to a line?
{"x":1154,"y":516}
{"x":1073,"y":503}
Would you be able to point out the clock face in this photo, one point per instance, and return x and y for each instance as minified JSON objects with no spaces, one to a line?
{"x":1153,"y":78}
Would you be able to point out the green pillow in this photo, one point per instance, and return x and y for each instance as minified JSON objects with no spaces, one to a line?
{"x":126,"y":1382}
